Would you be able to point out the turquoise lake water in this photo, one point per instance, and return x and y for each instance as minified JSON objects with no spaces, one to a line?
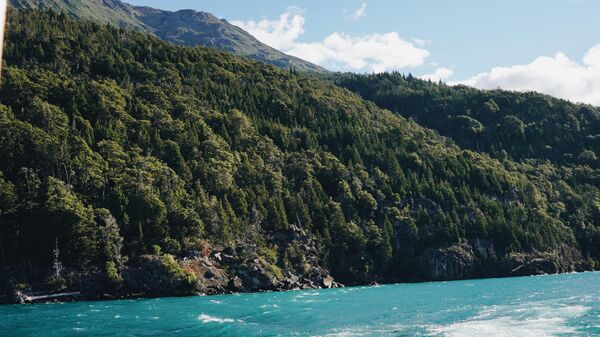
{"x":557,"y":305}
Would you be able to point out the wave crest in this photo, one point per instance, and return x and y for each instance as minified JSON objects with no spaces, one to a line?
{"x":211,"y":319}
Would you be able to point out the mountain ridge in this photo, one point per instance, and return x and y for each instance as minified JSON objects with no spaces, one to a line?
{"x":184,"y":27}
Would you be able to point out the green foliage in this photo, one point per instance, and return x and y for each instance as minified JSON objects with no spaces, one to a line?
{"x":525,"y":125}
{"x":552,"y":141}
{"x":269,"y":254}
{"x":294,"y":258}
{"x":72,"y":223}
{"x":112,"y":275}
{"x":119,"y":144}
{"x":175,"y":272}
{"x":56,"y":283}
{"x":274,"y":270}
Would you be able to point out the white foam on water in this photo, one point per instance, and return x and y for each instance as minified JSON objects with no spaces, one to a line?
{"x":344,"y":333}
{"x":215,"y":302}
{"x":269,"y":306}
{"x":311,"y":293}
{"x":384,"y":330}
{"x":528,"y":320}
{"x":210,"y":319}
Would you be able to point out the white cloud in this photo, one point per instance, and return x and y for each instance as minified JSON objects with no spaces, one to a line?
{"x":558,"y":76}
{"x":338,"y":51}
{"x":279,"y":34}
{"x":592,"y":57}
{"x":440,"y":74}
{"x":375,"y":52}
{"x":359,"y":13}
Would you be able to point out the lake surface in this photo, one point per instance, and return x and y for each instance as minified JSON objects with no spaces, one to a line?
{"x":557,"y":305}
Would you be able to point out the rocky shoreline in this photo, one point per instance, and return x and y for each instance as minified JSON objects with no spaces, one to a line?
{"x":216,"y":270}
{"x":146,"y":278}
{"x":209,"y":270}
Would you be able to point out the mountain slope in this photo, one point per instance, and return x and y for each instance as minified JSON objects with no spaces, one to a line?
{"x":111,"y":12}
{"x":550,"y":137}
{"x":519,"y":126}
{"x":185,"y":27}
{"x":125,"y":153}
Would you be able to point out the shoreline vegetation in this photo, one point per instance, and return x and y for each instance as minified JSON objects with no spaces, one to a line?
{"x":133,"y":166}
{"x":211,"y":275}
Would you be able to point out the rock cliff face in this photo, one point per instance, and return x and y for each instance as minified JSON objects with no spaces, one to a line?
{"x":562,"y":260}
{"x":479,"y":259}
{"x":452,"y":263}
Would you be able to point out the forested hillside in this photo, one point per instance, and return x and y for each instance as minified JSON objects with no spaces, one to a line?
{"x":117,"y":146}
{"x":553,"y":138}
{"x":512,"y":125}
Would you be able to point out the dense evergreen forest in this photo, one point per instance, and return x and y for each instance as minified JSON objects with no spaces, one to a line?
{"x":117,"y":145}
{"x":551,"y":138}
{"x":517,"y":126}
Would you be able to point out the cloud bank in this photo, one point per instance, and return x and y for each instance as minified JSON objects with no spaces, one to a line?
{"x":556,"y":75}
{"x":338,"y":51}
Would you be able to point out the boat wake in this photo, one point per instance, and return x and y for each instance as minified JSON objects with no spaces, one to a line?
{"x":537,"y":319}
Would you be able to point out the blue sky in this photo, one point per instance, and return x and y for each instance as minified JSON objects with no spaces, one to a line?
{"x":539,"y":44}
